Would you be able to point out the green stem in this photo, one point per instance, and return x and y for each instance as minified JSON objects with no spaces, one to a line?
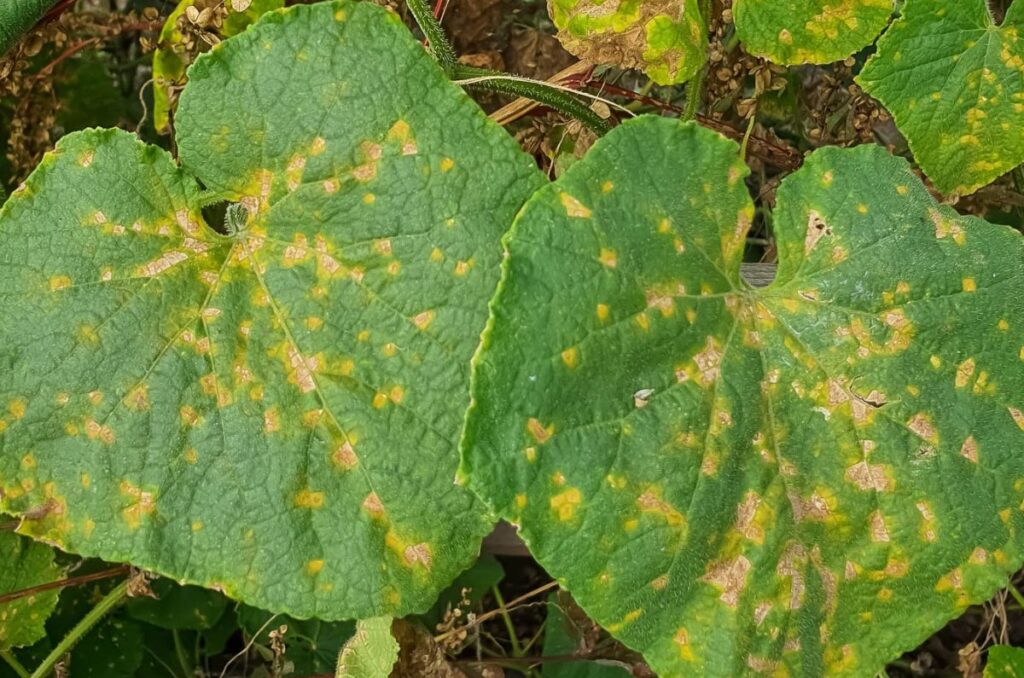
{"x":110,"y":601}
{"x":496,"y":81}
{"x":442,"y":50}
{"x":695,"y":90}
{"x":179,"y":650}
{"x":517,"y":649}
{"x":1016,"y":594}
{"x":13,"y":662}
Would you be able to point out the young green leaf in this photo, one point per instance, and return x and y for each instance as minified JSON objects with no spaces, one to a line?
{"x":168,"y":63}
{"x":24,"y":564}
{"x":953,"y":81}
{"x":809,"y":31}
{"x":371,"y":652}
{"x":809,"y":477}
{"x":274,"y":413}
{"x":1004,"y":662}
{"x":665,"y":38}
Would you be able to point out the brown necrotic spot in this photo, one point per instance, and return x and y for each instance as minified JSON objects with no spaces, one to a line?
{"x":816,"y":230}
{"x":729,"y":577}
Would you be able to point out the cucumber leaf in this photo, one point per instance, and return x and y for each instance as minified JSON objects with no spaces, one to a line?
{"x":953,"y":82}
{"x":809,"y":31}
{"x":24,"y":564}
{"x":271,"y":410}
{"x":807,"y":478}
{"x":665,"y":38}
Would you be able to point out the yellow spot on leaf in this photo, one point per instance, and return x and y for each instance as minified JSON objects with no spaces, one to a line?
{"x":309,"y":499}
{"x":538,"y":431}
{"x":573,"y":207}
{"x":564,"y":504}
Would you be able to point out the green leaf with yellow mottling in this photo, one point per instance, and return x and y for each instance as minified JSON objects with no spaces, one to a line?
{"x":807,"y":478}
{"x":1004,"y":661}
{"x":24,"y":564}
{"x":665,"y":38}
{"x":371,"y":652}
{"x":169,"y":62}
{"x":273,"y":413}
{"x":809,"y":31}
{"x":954,"y":82}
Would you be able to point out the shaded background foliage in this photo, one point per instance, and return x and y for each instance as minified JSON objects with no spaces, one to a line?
{"x":89,"y":63}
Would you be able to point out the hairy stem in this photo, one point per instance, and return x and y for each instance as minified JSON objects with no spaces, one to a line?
{"x":552,"y":97}
{"x":13,"y":662}
{"x":442,"y":50}
{"x":110,"y":601}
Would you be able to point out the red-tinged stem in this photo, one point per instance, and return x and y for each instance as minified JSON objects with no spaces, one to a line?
{"x":63,"y":583}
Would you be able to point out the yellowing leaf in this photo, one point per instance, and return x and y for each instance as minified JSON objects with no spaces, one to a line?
{"x":266,"y":412}
{"x":954,"y":82}
{"x":665,"y":38}
{"x":805,"y":479}
{"x":25,"y":564}
{"x":809,"y":31}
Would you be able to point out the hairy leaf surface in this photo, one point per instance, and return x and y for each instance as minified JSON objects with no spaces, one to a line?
{"x":809,"y":477}
{"x":23,"y":564}
{"x":275,"y":412}
{"x":954,"y":82}
{"x":809,"y":31}
{"x":666,"y":38}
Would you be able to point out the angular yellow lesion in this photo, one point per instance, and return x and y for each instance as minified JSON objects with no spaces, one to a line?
{"x":59,"y":282}
{"x":682,"y":641}
{"x":101,"y":432}
{"x":422,"y":320}
{"x":463,"y":267}
{"x":608,"y":257}
{"x":142,"y":503}
{"x":573,"y":207}
{"x":309,"y":499}
{"x":344,"y":456}
{"x":373,"y":505}
{"x":271,"y":420}
{"x":402,"y":133}
{"x":922,"y":426}
{"x":651,"y":502}
{"x":571,"y":357}
{"x":729,"y":576}
{"x":191,"y":456}
{"x":538,"y":431}
{"x":447,"y":164}
{"x":565,"y":503}
{"x":520,"y":501}
{"x":969,"y":285}
{"x":1017,"y":415}
{"x":531,"y":454}
{"x":16,"y":407}
{"x":313,"y":567}
{"x":871,"y":477}
{"x":603,"y":311}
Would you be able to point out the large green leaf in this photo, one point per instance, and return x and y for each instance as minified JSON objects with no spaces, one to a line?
{"x":954,"y":83}
{"x":809,"y":477}
{"x":809,"y":31}
{"x":666,"y":38}
{"x":24,"y":564}
{"x":273,"y":413}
